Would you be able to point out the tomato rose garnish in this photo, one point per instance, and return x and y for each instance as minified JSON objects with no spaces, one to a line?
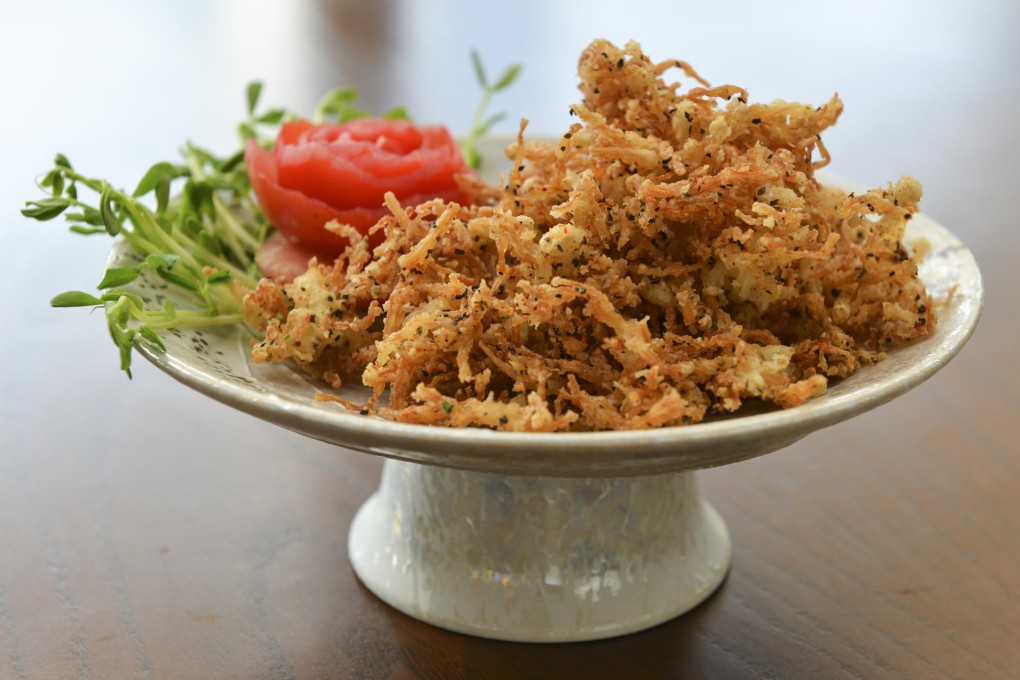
{"x":318,"y":173}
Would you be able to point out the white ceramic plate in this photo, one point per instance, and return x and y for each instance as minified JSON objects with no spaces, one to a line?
{"x":216,"y":362}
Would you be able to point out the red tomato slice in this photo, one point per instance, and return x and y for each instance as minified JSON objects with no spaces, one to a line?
{"x":297,"y":215}
{"x":318,"y":173}
{"x":284,"y":259}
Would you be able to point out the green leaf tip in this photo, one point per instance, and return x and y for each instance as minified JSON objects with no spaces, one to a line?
{"x":118,"y":276}
{"x":508,"y":77}
{"x":156,"y":175}
{"x":476,"y":62}
{"x":252,"y":93}
{"x":481,"y":124}
{"x":75,"y":298}
{"x":46,"y":208}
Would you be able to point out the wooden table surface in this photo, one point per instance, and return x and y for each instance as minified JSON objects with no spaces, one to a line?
{"x":146,"y":531}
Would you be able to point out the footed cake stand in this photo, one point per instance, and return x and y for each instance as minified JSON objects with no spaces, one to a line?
{"x":553,"y":537}
{"x":539,"y":559}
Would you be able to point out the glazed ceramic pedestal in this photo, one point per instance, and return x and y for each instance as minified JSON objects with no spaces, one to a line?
{"x":538,"y":559}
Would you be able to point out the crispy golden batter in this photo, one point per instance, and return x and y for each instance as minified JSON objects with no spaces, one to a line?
{"x":670,"y":256}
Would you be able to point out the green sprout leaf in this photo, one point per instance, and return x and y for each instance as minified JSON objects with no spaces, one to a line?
{"x":508,"y":77}
{"x":161,"y":261}
{"x":55,"y":180}
{"x":162,"y":195}
{"x":231,"y":162}
{"x":87,"y":231}
{"x":483,"y":123}
{"x":493,"y":119}
{"x":338,"y":104}
{"x":130,"y":299}
{"x":75,"y":298}
{"x":88,"y":215}
{"x":185,"y":282}
{"x":150,"y":335}
{"x":272,"y":117}
{"x":252,"y":93}
{"x":118,"y":276}
{"x":107,"y":212}
{"x":247,"y":131}
{"x":476,"y":62}
{"x":46,"y":208}
{"x":156,"y":174}
{"x":397,"y":113}
{"x":218,"y":277}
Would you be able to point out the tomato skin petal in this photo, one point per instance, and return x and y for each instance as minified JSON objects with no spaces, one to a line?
{"x":341,"y":165}
{"x":318,"y":173}
{"x":283,"y":258}
{"x":294,"y":213}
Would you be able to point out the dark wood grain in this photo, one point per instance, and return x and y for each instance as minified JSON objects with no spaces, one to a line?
{"x":148,"y":532}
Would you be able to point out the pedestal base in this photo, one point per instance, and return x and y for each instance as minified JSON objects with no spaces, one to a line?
{"x":538,"y":559}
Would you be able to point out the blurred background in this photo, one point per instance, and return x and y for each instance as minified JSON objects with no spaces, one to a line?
{"x":89,"y":465}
